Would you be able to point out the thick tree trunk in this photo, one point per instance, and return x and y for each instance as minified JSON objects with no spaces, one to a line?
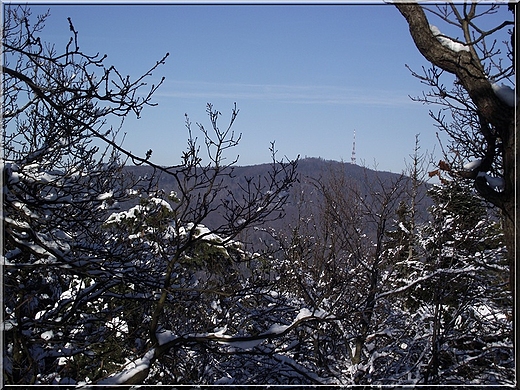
{"x":464,"y":64}
{"x":470,"y":73}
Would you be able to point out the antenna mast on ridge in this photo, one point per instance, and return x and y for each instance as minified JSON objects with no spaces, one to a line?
{"x":353,"y":158}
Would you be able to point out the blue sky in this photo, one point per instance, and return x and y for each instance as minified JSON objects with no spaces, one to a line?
{"x":305,"y":76}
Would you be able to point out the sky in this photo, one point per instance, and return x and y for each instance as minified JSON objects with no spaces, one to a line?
{"x":303,"y":76}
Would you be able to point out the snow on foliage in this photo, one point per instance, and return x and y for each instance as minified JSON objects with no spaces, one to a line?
{"x":277,"y":333}
{"x":132,"y":213}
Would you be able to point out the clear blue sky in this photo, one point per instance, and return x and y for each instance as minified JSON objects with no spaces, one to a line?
{"x":304,"y":76}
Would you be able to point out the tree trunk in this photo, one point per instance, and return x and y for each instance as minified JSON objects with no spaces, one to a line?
{"x":471,"y":75}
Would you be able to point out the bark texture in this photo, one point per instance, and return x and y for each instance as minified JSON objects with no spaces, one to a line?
{"x":468,"y":69}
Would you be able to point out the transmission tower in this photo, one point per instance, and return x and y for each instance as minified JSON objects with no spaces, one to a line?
{"x":353,"y":158}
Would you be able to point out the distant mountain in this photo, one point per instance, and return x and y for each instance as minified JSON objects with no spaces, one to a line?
{"x":310,"y":170}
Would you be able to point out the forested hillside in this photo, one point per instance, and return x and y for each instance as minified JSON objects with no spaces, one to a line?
{"x":304,"y":193}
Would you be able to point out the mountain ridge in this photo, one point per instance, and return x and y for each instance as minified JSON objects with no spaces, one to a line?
{"x":310,"y":171}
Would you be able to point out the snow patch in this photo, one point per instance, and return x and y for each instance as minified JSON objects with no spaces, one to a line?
{"x":220,"y":332}
{"x":497,"y":183}
{"x":165,"y":336}
{"x":472,"y":165}
{"x":132,"y":213}
{"x":403,"y":228}
{"x":448,"y":42}
{"x":162,"y":202}
{"x":132,"y":368}
{"x":9,"y":324}
{"x":47,"y":335}
{"x":277,"y":329}
{"x":306,"y":313}
{"x":106,"y":195}
{"x":505,"y":93}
